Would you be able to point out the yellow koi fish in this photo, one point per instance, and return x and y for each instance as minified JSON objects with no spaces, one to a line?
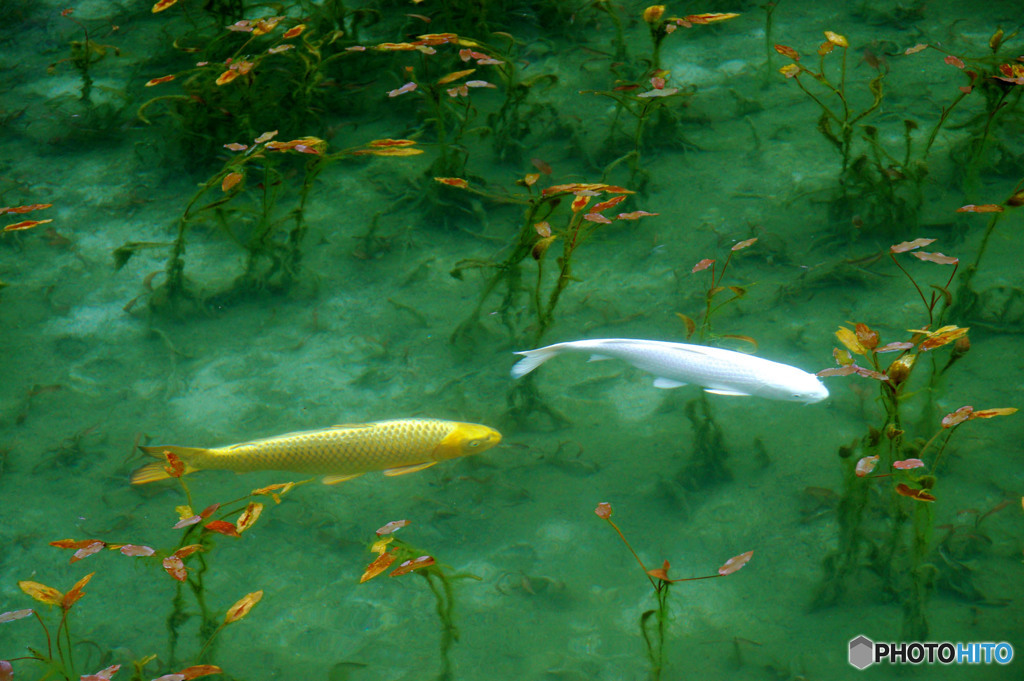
{"x":339,"y":453}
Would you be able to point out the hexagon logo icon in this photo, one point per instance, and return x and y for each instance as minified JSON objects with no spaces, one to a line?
{"x":862,"y":652}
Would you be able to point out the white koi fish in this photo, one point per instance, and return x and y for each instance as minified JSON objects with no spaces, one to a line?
{"x":718,"y":371}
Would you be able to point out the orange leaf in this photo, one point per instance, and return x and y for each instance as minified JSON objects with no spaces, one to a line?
{"x":453,"y":182}
{"x":540,"y":165}
{"x":73,"y":543}
{"x":909,"y":245}
{"x":414,"y":564}
{"x":579,"y":203}
{"x":102,"y":675}
{"x":264,"y":26}
{"x":175,"y":568}
{"x":161,"y":5}
{"x":937,"y":258}
{"x":71,"y":597}
{"x":294,"y":31}
{"x":893,"y":347}
{"x":393,"y":526}
{"x":222,"y":527}
{"x":235,"y":146}
{"x":382,"y":563}
{"x":399,"y":151}
{"x":242,"y":607}
{"x":597,"y":217}
{"x":943,"y":336}
{"x":990,"y":413}
{"x":743,"y":244}
{"x":954,"y":61}
{"x":709,"y":17}
{"x":916,"y":48}
{"x":271,"y":490}
{"x":266,"y":137}
{"x":604,"y":510}
{"x":186,"y":551}
{"x":454,"y":75}
{"x":702,"y":265}
{"x":25,"y":224}
{"x":735,"y":563}
{"x":918,"y":494}
{"x":41,"y":592}
{"x":157,"y":81}
{"x":867,"y":336}
{"x":543,"y":229}
{"x":839,"y":371}
{"x":691,"y":326}
{"x":865,"y":466}
{"x":788,"y":52}
{"x":185,"y":522}
{"x":195,"y":671}
{"x":610,"y":203}
{"x":25,"y":209}
{"x":227,"y":76}
{"x":908,"y":464}
{"x":660,"y":573}
{"x":983,"y":208}
{"x":249,"y":516}
{"x":530,"y":179}
{"x":391,"y":143}
{"x":230,"y":180}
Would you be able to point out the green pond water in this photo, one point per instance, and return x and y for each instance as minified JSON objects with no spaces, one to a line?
{"x":319,"y":290}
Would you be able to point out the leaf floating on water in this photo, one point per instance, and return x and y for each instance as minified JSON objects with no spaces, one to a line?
{"x":175,"y":568}
{"x":41,"y":592}
{"x":635,"y":215}
{"x":249,"y":516}
{"x":242,"y":607}
{"x":85,"y":552}
{"x":453,"y":182}
{"x":25,"y":224}
{"x":735,"y":563}
{"x":983,"y":208}
{"x":937,"y":258}
{"x":908,"y":464}
{"x":15,"y":615}
{"x":72,"y":596}
{"x":910,"y":245}
{"x":414,"y":564}
{"x":907,"y":491}
{"x":230,"y":180}
{"x":136,"y":551}
{"x":392,"y":526}
{"x":865,"y":466}
{"x":382,"y":563}
{"x":991,"y":413}
{"x":195,"y":671}
{"x":222,"y":527}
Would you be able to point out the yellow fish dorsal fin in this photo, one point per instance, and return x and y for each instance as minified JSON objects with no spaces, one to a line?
{"x":402,"y":470}
{"x":335,"y":479}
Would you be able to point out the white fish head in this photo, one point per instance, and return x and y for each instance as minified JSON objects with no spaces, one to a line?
{"x":795,"y":385}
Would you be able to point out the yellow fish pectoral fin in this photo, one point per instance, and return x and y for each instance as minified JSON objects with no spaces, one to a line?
{"x":335,"y":479}
{"x":402,"y":470}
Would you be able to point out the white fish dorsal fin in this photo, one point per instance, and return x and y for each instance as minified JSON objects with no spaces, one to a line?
{"x":335,"y":479}
{"x":414,"y":468}
{"x":667,"y":383}
{"x":721,"y":391}
{"x":598,"y":358}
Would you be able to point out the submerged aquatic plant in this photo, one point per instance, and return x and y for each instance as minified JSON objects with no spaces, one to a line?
{"x":84,"y":53}
{"x":391,"y":550}
{"x":654,"y":623}
{"x":905,"y":503}
{"x":270,"y":236}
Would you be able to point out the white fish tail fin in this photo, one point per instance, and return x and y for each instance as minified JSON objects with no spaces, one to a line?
{"x":532,"y":359}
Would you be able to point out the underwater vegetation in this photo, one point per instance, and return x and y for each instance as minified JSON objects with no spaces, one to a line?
{"x":348,"y":210}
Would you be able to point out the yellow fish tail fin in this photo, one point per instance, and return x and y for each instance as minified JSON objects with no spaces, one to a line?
{"x":152,"y":472}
